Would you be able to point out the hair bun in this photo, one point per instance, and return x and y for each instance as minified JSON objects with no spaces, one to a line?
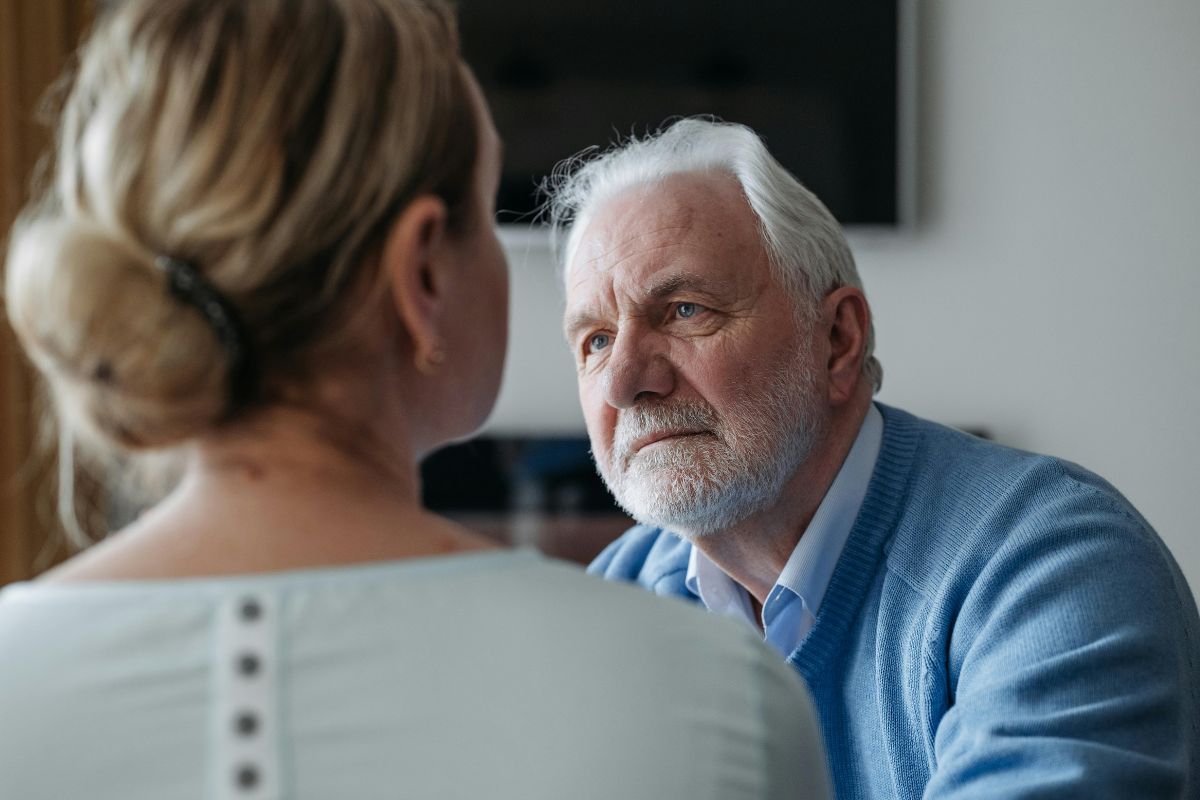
{"x":125,"y":360}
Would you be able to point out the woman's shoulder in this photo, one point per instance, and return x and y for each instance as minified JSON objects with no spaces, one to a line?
{"x":519,"y":592}
{"x":471,"y":649}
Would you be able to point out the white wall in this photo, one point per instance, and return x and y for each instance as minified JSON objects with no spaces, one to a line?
{"x":1047,"y":291}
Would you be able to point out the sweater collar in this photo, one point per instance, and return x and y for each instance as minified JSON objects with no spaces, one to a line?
{"x":866,"y":546}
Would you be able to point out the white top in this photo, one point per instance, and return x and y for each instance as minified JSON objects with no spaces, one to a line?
{"x":497,"y":675}
{"x":792,"y":604}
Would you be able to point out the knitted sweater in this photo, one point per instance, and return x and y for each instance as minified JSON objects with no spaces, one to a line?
{"x":1000,"y":624}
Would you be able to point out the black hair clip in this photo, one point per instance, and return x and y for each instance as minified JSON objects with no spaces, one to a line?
{"x":187,"y":285}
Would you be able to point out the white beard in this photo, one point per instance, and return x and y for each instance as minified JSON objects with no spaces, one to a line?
{"x":734,"y":467}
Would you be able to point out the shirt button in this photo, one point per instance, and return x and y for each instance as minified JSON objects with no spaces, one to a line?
{"x":248,"y":665}
{"x":246,"y":777}
{"x":246,"y":723}
{"x":250,"y":610}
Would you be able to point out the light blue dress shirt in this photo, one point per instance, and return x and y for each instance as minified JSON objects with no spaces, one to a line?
{"x":792,"y":604}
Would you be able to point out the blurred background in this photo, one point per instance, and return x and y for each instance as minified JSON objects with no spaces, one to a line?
{"x":1029,"y":237}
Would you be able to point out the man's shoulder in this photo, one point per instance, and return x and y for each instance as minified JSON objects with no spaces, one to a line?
{"x":946,"y":456}
{"x":653,"y":558}
{"x":997,"y":478}
{"x":952,"y":456}
{"x":969,"y":501}
{"x":1022,"y":577}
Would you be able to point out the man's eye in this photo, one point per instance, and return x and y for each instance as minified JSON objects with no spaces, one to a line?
{"x":598,"y":341}
{"x":687,"y":310}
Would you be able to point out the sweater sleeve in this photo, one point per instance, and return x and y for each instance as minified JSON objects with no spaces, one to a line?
{"x":649,"y":557}
{"x":623,"y":558}
{"x":1071,"y":668}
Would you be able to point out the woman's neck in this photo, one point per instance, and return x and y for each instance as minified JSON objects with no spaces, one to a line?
{"x":284,"y":490}
{"x":292,"y":450}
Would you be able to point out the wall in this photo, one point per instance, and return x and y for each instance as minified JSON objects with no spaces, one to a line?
{"x":1047,"y":291}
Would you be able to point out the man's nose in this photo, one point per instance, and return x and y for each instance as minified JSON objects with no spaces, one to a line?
{"x":638,"y":368}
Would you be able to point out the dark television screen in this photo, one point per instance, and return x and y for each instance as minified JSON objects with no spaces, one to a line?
{"x":818,"y":80}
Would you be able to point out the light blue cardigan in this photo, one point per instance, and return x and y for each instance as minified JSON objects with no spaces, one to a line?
{"x":999,"y":625}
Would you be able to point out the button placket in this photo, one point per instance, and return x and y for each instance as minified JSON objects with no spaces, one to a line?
{"x":247,"y":762}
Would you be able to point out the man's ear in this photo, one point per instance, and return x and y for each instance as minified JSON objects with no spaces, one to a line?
{"x":414,"y":256}
{"x":846,"y":319}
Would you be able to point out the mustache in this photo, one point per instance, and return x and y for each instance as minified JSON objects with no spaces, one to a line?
{"x":642,"y":421}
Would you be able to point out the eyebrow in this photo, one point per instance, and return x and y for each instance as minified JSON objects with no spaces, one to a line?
{"x":658,"y":291}
{"x":685,"y":282}
{"x":576,"y":322}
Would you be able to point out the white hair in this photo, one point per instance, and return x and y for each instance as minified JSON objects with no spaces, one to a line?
{"x":804,"y":242}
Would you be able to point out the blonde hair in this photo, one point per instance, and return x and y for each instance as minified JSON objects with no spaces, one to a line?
{"x":268,"y":144}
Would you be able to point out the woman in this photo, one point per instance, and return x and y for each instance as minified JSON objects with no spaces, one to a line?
{"x":268,"y":244}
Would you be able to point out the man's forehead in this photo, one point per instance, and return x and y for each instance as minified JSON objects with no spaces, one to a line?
{"x":698,"y":237}
{"x":632,"y":221}
{"x":629,"y":261}
{"x":657,"y":216}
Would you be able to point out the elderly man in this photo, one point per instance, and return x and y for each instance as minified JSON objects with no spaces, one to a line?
{"x":973,"y":621}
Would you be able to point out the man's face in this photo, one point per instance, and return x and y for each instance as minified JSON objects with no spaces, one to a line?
{"x":696,"y":374}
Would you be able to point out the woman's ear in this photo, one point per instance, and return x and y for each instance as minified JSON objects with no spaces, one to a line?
{"x":414,"y":255}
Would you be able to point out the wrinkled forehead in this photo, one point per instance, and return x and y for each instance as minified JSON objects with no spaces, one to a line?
{"x":693,"y":233}
{"x":630,"y":222}
{"x":678,"y":207}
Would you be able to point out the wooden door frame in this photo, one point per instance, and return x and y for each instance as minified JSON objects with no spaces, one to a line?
{"x":37,"y":38}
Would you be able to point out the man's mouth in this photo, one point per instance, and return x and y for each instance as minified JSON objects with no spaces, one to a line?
{"x":662,"y":436}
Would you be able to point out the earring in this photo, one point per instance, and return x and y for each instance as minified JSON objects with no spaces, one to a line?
{"x":429,"y":362}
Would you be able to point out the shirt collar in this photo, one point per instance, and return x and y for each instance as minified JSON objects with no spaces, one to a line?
{"x":807,"y":573}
